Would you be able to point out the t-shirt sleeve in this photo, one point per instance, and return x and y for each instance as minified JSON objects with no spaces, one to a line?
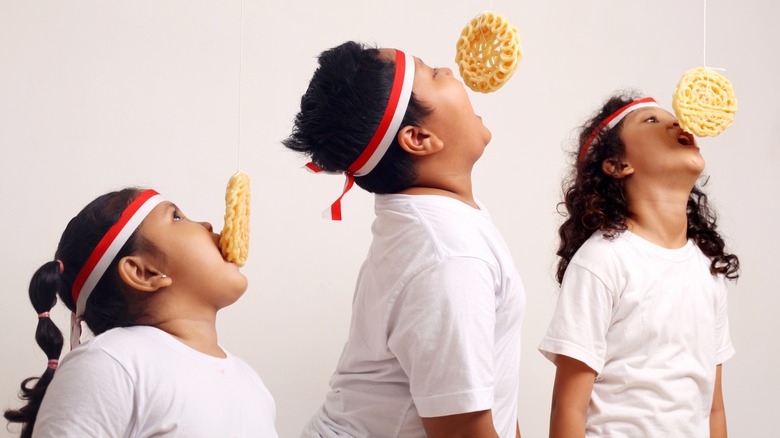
{"x":442,"y":332}
{"x":581,"y":319}
{"x":725,"y":350}
{"x":91,"y":395}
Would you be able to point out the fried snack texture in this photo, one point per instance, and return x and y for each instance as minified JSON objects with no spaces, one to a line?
{"x":488,"y":52}
{"x":234,"y":239}
{"x":704,"y":102}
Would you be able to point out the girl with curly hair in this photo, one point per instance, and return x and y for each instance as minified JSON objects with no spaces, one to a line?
{"x":640,"y":330}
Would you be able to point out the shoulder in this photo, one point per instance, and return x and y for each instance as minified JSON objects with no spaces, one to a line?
{"x":449,"y":224}
{"x":600,"y":248}
{"x":123,"y":342}
{"x":602,"y":258}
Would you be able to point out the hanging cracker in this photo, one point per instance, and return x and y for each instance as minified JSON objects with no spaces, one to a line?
{"x":234,"y":239}
{"x":488,"y":52}
{"x":704,"y":102}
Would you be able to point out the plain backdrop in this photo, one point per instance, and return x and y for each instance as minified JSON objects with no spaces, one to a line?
{"x":98,"y":95}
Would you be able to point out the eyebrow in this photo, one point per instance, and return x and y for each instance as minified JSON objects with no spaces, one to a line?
{"x":641,"y":110}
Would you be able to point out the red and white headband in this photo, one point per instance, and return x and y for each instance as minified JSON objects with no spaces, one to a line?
{"x":400,"y":94}
{"x":612,"y":121}
{"x":104,"y":253}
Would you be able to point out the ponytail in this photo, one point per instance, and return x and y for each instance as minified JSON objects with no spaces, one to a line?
{"x":43,"y":295}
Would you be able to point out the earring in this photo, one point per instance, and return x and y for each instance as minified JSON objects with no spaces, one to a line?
{"x":163,"y":276}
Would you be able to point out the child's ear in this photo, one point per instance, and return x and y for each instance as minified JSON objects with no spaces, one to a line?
{"x":138,"y":273}
{"x":419,"y":141}
{"x":616,"y":168}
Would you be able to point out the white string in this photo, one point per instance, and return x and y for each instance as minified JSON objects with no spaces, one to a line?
{"x":704,"y":56}
{"x":240,"y":68}
{"x":704,"y":61}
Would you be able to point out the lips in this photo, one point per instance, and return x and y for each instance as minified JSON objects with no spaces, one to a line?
{"x":686,"y":139}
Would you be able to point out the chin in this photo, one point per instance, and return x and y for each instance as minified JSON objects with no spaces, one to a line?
{"x":697,"y":164}
{"x":488,"y":136}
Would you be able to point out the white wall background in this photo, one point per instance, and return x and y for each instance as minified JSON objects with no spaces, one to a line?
{"x":97,"y":95}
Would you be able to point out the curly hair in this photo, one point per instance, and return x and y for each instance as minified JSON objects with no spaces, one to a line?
{"x":594,"y":201}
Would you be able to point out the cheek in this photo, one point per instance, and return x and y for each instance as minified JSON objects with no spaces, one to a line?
{"x":195,"y":254}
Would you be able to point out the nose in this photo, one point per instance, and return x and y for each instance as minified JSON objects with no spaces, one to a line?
{"x":207,"y":226}
{"x":446,"y":71}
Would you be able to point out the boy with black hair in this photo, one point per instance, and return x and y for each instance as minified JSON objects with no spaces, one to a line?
{"x":434,"y":341}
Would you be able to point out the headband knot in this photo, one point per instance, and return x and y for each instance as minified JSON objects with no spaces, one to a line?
{"x":397,"y":103}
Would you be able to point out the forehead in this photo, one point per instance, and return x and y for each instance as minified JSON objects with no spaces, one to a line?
{"x":161,"y":209}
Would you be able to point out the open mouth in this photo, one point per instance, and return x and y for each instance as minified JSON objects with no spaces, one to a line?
{"x":686,"y":139}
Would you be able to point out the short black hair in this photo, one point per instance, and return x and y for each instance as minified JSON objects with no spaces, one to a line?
{"x":341,"y":110}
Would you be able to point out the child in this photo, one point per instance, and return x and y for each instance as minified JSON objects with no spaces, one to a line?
{"x":640,"y":330}
{"x":434,"y":342}
{"x":148,"y":282}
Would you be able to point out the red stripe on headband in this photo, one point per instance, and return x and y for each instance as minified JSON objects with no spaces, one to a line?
{"x":620,"y":112}
{"x":392,"y":103}
{"x":335,"y":208}
{"x":106,"y":241}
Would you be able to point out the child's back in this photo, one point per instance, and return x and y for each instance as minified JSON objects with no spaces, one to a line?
{"x":435,"y":323}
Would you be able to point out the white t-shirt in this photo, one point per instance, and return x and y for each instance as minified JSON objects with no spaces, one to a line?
{"x":435,"y":324}
{"x":652,"y":323}
{"x":142,"y":382}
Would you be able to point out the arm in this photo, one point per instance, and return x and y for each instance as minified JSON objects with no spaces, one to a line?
{"x":443,"y":338}
{"x":571,"y":396}
{"x":718,"y":411}
{"x":472,"y":425}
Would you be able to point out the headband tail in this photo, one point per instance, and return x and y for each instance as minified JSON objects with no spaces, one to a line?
{"x":397,"y":103}
{"x":334,"y":212}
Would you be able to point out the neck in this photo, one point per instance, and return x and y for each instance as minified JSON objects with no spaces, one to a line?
{"x":197,"y":330}
{"x":452,"y":184}
{"x":660,"y":217}
{"x":197,"y":334}
{"x":461,"y":194}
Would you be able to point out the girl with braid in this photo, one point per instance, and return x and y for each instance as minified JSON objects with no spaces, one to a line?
{"x":148,"y":282}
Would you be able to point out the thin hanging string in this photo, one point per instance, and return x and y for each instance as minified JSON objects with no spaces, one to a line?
{"x":704,"y":57}
{"x":240,"y":68}
{"x":704,"y":60}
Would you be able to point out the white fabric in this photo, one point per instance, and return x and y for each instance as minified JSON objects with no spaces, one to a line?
{"x":142,"y":382}
{"x":652,"y":323}
{"x":435,"y":324}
